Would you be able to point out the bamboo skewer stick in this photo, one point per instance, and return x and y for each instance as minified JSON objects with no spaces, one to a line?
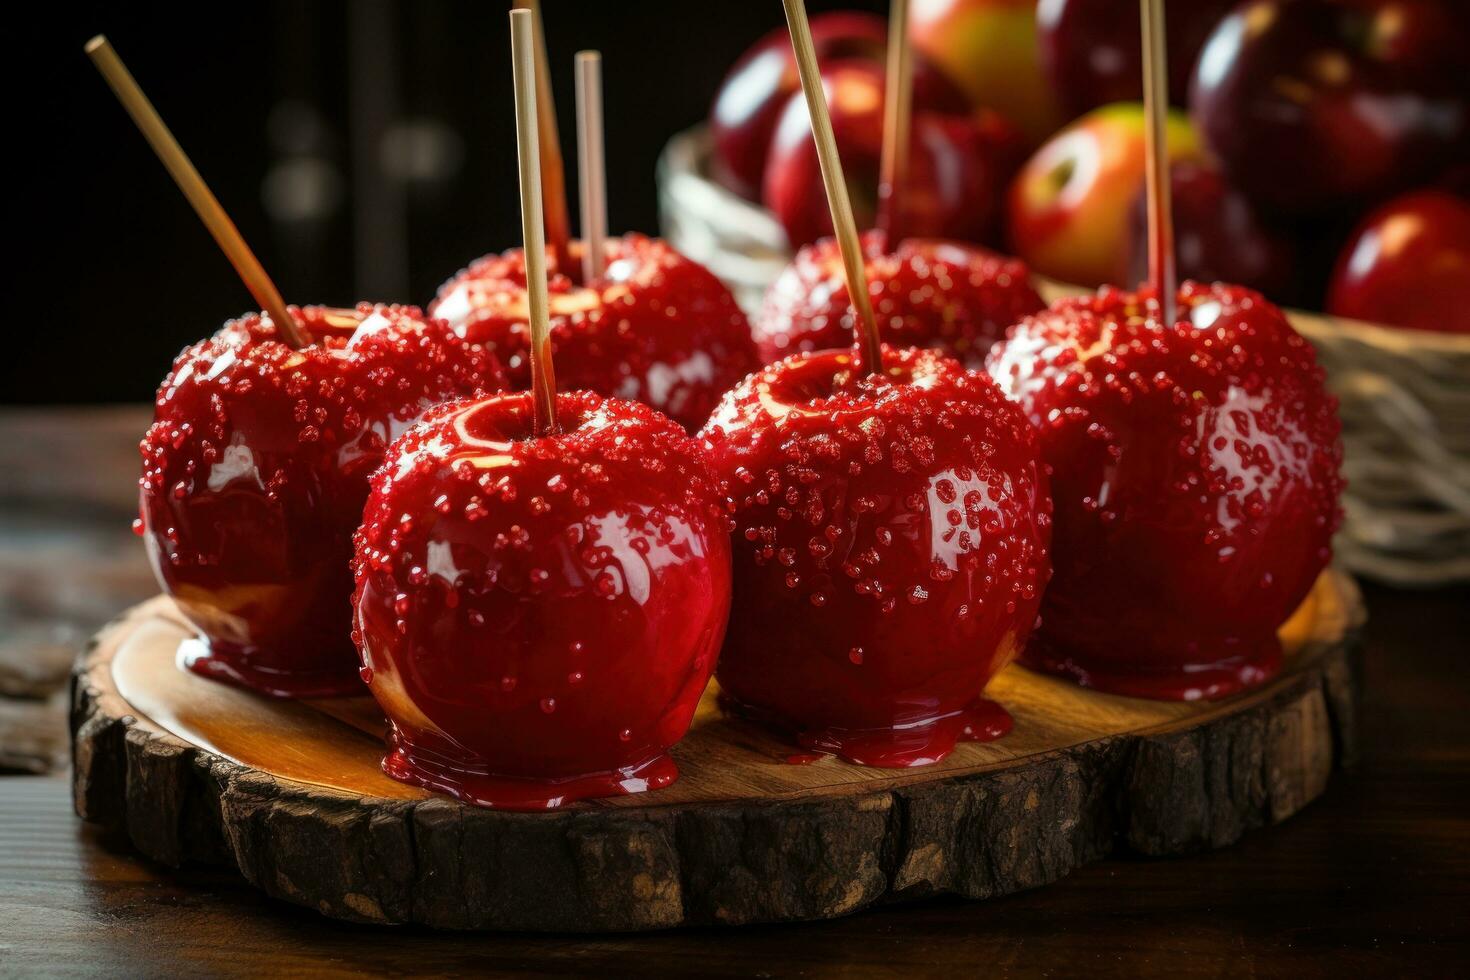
{"x":893,"y":168}
{"x":206,"y":205}
{"x":591,"y":166}
{"x":1161,"y":268}
{"x":543,"y":377}
{"x":553,"y":170}
{"x":869,"y":347}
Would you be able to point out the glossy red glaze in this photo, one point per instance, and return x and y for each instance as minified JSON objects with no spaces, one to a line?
{"x":890,"y":551}
{"x":254,"y":475}
{"x":538,"y":616}
{"x":656,"y":328}
{"x":758,"y":87}
{"x":1408,"y":265}
{"x":960,"y":163}
{"x":1319,"y":105}
{"x":957,"y":298}
{"x":1195,"y":474}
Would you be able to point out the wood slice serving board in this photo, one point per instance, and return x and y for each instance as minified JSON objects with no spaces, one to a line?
{"x":291,"y":795}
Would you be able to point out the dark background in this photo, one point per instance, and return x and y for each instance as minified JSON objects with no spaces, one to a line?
{"x":298,"y":113}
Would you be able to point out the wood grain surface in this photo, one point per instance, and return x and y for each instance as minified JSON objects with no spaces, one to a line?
{"x":292,"y":795}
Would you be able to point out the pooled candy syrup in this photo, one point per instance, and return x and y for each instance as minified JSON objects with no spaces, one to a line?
{"x":919,"y":743}
{"x":419,"y":768}
{"x":1190,"y":682}
{"x":243,"y":668}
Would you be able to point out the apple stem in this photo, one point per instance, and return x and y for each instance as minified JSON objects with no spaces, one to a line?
{"x":893,"y":168}
{"x":553,"y":171}
{"x":1161,"y":269}
{"x":843,"y":224}
{"x":533,"y":231}
{"x":206,"y":205}
{"x":591,"y":168}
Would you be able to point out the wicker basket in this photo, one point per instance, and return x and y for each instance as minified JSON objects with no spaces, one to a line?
{"x":1405,"y":394}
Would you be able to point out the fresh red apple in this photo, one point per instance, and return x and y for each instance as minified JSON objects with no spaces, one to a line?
{"x":989,"y":48}
{"x":1314,"y":105}
{"x":538,"y":615}
{"x":959,"y":163}
{"x":1219,"y":236}
{"x":925,"y":293}
{"x":1194,"y":467}
{"x":758,"y":87}
{"x":890,"y":551}
{"x":1408,"y":265}
{"x":1068,"y":207}
{"x":254,"y":475}
{"x":1092,"y":50}
{"x":655,"y":327}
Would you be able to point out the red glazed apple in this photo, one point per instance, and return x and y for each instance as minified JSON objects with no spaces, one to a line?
{"x":758,"y":87}
{"x":255,"y":471}
{"x":1219,"y":236}
{"x":1315,"y":105}
{"x":538,"y":616}
{"x":890,"y":551}
{"x":1067,"y":211}
{"x":937,"y":294}
{"x":1195,"y":474}
{"x":989,"y":48}
{"x":655,"y":327}
{"x":1408,"y":264}
{"x":960,"y":163}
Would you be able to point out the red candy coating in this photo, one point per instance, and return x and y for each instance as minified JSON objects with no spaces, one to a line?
{"x":656,"y":328}
{"x":538,"y":616}
{"x":890,"y":551}
{"x":255,"y":471}
{"x":1195,"y":474}
{"x":954,"y":297}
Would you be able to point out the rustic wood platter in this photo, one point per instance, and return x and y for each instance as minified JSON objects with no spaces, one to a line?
{"x":292,"y":796}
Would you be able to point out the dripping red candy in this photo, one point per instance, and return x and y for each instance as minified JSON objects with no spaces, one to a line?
{"x":1195,"y":475}
{"x":538,"y":616}
{"x":890,"y":550}
{"x":255,"y":471}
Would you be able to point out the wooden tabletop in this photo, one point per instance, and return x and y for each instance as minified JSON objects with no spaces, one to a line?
{"x":1372,"y":879}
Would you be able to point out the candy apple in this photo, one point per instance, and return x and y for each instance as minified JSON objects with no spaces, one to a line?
{"x":989,"y":48}
{"x":1091,"y":50}
{"x":1408,"y":264}
{"x":960,"y":163}
{"x":254,"y":475}
{"x":1313,"y":105}
{"x":890,"y":550}
{"x":654,"y":327}
{"x":1195,"y":473}
{"x":1068,"y":207}
{"x":538,"y":615}
{"x":1218,"y":235}
{"x":758,"y":87}
{"x":925,"y":293}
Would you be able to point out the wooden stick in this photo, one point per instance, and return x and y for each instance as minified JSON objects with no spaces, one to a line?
{"x":1161,"y":270}
{"x":206,"y":205}
{"x":591,"y":168}
{"x":553,"y":171}
{"x":543,"y":376}
{"x":893,"y":168}
{"x":845,"y":227}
